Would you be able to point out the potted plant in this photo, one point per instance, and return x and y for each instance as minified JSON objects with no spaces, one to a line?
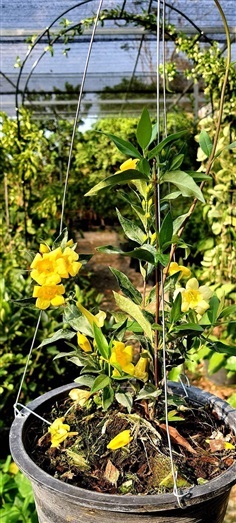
{"x":122,"y":442}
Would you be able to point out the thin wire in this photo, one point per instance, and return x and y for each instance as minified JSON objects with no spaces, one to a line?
{"x":173,"y":471}
{"x":16,"y":410}
{"x":26,"y":365}
{"x":77,"y":113}
{"x":19,"y":412}
{"x":164,"y":66}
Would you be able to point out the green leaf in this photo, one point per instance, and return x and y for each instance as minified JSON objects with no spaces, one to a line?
{"x":178,"y":222}
{"x":171,"y":196}
{"x":218,"y":346}
{"x":231,"y":309}
{"x":131,"y":230}
{"x":148,"y":391}
{"x":107,"y":397}
{"x":124,"y":146}
{"x":101,"y":342}
{"x":144,"y":167}
{"x":116,"y":179}
{"x":85,"y":380}
{"x":171,"y":138}
{"x":125,"y":399}
{"x":175,"y":312}
{"x":205,"y":143}
{"x":166,"y":231}
{"x":185,"y":184}
{"x":176,"y":162}
{"x":216,"y":362}
{"x":126,"y":305}
{"x":126,"y":286}
{"x":25,"y":302}
{"x":145,"y":253}
{"x":100,"y":383}
{"x":188,"y":327}
{"x":61,"y":334}
{"x":144,"y":129}
{"x":200,"y":177}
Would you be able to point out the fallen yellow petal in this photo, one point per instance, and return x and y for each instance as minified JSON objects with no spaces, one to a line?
{"x":122,"y":439}
{"x":79,"y":395}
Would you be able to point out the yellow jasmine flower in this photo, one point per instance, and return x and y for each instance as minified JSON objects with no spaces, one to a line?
{"x":83,"y":342}
{"x":122,"y":439}
{"x":195,"y":297}
{"x":48,"y":267}
{"x":140,"y":369}
{"x":59,"y":432}
{"x":80,"y":396}
{"x":128,"y":164}
{"x":122,"y":355}
{"x":48,"y":295}
{"x":98,"y":319}
{"x":184,"y":272}
{"x":72,"y":266}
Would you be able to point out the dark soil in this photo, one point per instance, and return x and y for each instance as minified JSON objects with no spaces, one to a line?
{"x":143,"y":466}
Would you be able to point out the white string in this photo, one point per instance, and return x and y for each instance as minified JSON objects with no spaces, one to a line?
{"x":16,"y":410}
{"x":77,"y":113}
{"x":26,"y":366}
{"x":20,"y":413}
{"x":173,"y":470}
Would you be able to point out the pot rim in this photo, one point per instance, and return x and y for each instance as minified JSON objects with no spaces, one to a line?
{"x":149,"y":502}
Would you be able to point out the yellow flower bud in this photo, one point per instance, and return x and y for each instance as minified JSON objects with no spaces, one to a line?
{"x":83,"y":342}
{"x":43,"y":248}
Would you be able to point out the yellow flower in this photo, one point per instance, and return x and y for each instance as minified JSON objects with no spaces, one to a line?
{"x":59,"y":432}
{"x":128,"y":164}
{"x":140,"y":369}
{"x":13,"y":469}
{"x":43,"y":248}
{"x":83,"y":342}
{"x":72,"y":266}
{"x":48,"y":295}
{"x":80,"y":396}
{"x":122,"y":439}
{"x":122,"y":356}
{"x":98,"y":319}
{"x":184,"y":272}
{"x":195,"y":297}
{"x":48,"y":267}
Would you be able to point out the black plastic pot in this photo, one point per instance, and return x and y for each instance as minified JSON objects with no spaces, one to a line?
{"x":58,"y":502}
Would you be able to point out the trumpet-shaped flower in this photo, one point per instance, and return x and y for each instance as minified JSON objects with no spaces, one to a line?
{"x":195,"y":297}
{"x":140,"y":369}
{"x":184,"y":272}
{"x":48,"y":268}
{"x":80,"y":396}
{"x":83,"y":342}
{"x":122,"y":439}
{"x":70,"y":258}
{"x":48,"y":295}
{"x":59,"y":432}
{"x":98,"y":319}
{"x":128,"y":164}
{"x":122,"y":356}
